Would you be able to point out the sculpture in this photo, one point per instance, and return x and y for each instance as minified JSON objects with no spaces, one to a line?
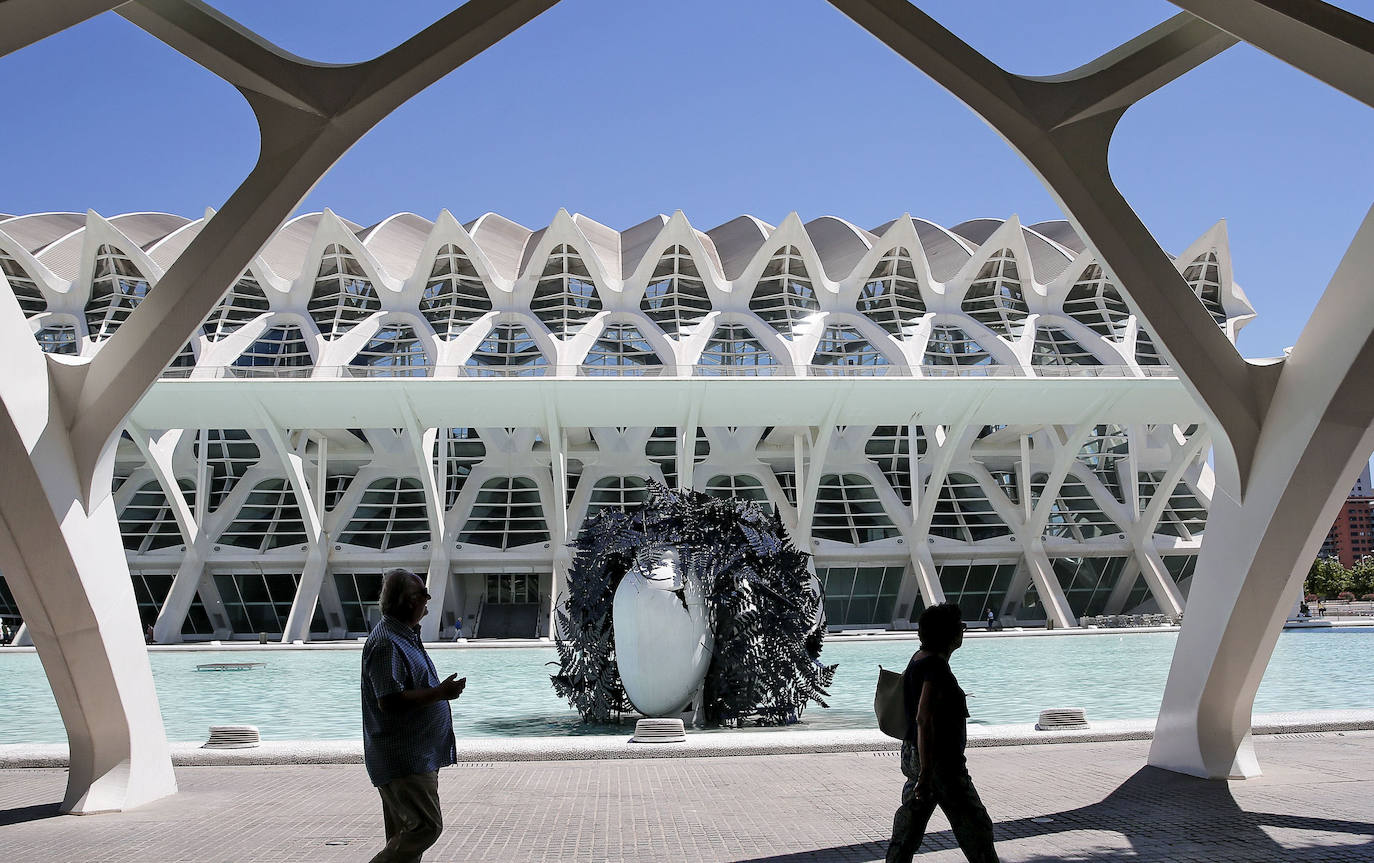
{"x":758,"y":631}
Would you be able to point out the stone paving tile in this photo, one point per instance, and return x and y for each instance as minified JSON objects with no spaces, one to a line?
{"x":1081,"y":802}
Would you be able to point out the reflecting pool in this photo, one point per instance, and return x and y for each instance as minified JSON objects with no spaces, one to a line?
{"x":313,"y":694}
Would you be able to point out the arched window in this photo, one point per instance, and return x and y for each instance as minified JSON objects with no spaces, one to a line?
{"x":963,"y":512}
{"x":740,"y":485}
{"x":1102,"y":453}
{"x":343,"y":295}
{"x":1097,"y":304}
{"x":848,"y":510}
{"x":734,"y":349}
{"x":784,"y":295}
{"x":462,"y":451}
{"x":1074,"y":514}
{"x":891,"y":297}
{"x":890,"y":449}
{"x":952,"y":347}
{"x":994,"y":299}
{"x":617,"y":492}
{"x":390,"y":515}
{"x":117,"y":287}
{"x":507,"y":514}
{"x":58,"y":339}
{"x":244,"y":301}
{"x":507,"y":351}
{"x":1055,"y":347}
{"x":269,"y":519}
{"x":675,"y":297}
{"x":281,"y":350}
{"x":565,"y":297}
{"x":842,"y":346}
{"x":25,"y":288}
{"x":229,"y":453}
{"x":394,"y":351}
{"x":1146,"y":354}
{"x":147,"y":522}
{"x":621,"y":349}
{"x":1203,"y":275}
{"x":1184,"y":516}
{"x":454,"y":296}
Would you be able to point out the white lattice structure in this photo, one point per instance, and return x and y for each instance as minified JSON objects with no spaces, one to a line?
{"x":461,"y":397}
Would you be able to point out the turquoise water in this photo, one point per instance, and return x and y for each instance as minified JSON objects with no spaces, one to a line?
{"x":313,"y":694}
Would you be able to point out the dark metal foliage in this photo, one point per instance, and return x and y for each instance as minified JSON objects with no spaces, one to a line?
{"x":767,"y":619}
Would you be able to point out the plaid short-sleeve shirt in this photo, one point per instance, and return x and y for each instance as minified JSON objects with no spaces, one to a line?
{"x":418,"y":740}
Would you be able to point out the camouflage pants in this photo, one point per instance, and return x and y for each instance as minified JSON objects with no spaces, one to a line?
{"x":957,"y":798}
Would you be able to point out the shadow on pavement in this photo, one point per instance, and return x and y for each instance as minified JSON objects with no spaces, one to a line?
{"x":1162,"y":816}
{"x":20,"y":814}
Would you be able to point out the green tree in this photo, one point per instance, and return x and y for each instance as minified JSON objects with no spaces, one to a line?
{"x":1362,"y":577}
{"x":1326,"y":578}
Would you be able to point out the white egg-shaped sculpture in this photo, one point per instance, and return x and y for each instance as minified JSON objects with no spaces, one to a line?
{"x":663,"y":642}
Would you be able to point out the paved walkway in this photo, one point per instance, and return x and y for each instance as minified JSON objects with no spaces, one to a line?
{"x":1081,"y":801}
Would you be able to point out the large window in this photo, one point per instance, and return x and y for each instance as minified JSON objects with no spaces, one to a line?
{"x":675,"y":297}
{"x":963,"y":512}
{"x":343,"y":294}
{"x":860,"y":595}
{"x":621,"y":350}
{"x":261,"y":602}
{"x":244,"y":301}
{"x":891,"y":297}
{"x":394,"y":351}
{"x":147,"y":522}
{"x":24,"y":287}
{"x":1088,"y":581}
{"x":734,"y":349}
{"x":507,"y":514}
{"x":508,"y":350}
{"x":975,"y":587}
{"x":454,"y":296}
{"x":783,"y":295}
{"x":844,"y":347}
{"x":738,"y":485}
{"x":58,"y":339}
{"x":117,"y":288}
{"x":890,"y":449}
{"x":229,"y":453}
{"x":1096,"y":303}
{"x":1184,"y":515}
{"x":269,"y":519}
{"x":512,"y":588}
{"x":1074,"y":515}
{"x":279,"y":351}
{"x":391,"y":515}
{"x":1203,"y":275}
{"x":848,"y":510}
{"x":150,"y":592}
{"x":1055,"y":347}
{"x":359,"y":593}
{"x":952,"y":347}
{"x":661,"y":449}
{"x":617,"y":492}
{"x":565,"y":296}
{"x":462,"y":450}
{"x":994,"y":299}
{"x":1102,"y":454}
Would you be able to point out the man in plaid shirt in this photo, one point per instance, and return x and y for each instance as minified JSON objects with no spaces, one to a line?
{"x":407,"y":723}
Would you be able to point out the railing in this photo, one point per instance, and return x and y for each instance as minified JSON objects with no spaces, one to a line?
{"x":696,"y":371}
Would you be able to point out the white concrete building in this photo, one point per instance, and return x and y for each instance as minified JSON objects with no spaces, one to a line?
{"x":969,"y":414}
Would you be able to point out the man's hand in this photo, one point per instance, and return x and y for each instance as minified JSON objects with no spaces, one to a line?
{"x":923,"y":790}
{"x":451,"y":687}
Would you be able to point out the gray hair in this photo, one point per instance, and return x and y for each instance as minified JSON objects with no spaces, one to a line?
{"x":393,"y":589}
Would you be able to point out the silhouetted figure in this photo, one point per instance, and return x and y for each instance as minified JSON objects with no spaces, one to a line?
{"x":933,"y":751}
{"x":407,"y":723}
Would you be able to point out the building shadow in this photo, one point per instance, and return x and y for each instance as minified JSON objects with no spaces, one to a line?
{"x":1162,"y":816}
{"x":21,"y":814}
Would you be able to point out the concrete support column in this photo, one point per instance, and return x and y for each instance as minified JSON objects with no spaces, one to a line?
{"x":308,"y":591}
{"x":1047,"y":585}
{"x":922,"y":580}
{"x":1162,"y":587}
{"x":167,"y":629}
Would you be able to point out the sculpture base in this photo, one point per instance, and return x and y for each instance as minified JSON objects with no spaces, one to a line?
{"x":659,"y":731}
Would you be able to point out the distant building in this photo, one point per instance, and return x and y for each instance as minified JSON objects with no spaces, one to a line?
{"x":1352,"y":534}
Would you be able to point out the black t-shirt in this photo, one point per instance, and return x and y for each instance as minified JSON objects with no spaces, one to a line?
{"x":951,"y":705}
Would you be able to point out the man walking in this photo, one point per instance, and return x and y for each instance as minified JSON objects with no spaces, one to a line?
{"x":407,"y":722}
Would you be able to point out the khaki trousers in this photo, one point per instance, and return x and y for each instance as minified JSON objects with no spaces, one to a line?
{"x":410,"y":813}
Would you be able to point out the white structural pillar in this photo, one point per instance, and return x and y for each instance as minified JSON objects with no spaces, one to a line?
{"x":1289,"y":435}
{"x":60,"y":547}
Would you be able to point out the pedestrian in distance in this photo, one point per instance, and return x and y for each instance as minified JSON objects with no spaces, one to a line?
{"x":933,"y":749}
{"x":407,"y":721}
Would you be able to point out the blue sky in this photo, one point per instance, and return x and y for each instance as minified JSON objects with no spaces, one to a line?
{"x":622,"y":109}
